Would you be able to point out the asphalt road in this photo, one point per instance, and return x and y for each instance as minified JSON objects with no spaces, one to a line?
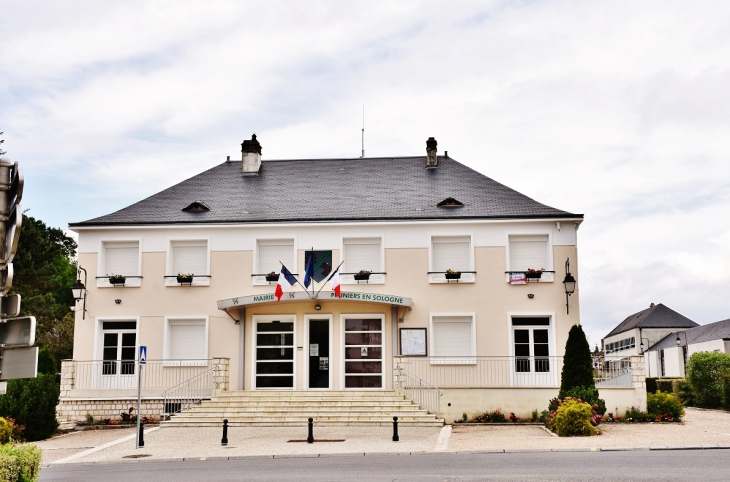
{"x":705,"y":465}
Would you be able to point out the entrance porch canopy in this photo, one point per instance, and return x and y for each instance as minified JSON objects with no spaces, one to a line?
{"x":243,"y":301}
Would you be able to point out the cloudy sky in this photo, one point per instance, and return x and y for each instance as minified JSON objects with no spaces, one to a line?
{"x":617,"y":110}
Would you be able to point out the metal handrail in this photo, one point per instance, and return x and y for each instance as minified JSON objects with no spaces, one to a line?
{"x":419,"y":390}
{"x":190,"y":392}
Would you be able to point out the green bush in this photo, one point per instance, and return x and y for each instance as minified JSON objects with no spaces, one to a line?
{"x":574,"y":418}
{"x":651,"y":384}
{"x":494,"y":416}
{"x":661,"y":403}
{"x":32,"y":402}
{"x":588,"y":395}
{"x":704,"y":374}
{"x":675,"y":387}
{"x":664,"y":385}
{"x":726,"y":392}
{"x":684,"y":393}
{"x":20,"y":462}
{"x":577,"y":362}
{"x":46,"y":362}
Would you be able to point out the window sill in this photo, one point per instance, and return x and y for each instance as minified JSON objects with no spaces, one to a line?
{"x":465,"y":279}
{"x":174,"y":284}
{"x":128,"y":284}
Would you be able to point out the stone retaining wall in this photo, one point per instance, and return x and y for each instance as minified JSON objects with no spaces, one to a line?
{"x":76,"y":410}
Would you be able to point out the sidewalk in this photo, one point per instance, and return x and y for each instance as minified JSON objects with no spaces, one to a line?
{"x":701,"y":429}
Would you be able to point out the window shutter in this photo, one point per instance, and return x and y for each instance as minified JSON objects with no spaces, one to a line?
{"x":189,"y":259}
{"x":452,"y":336}
{"x":273,"y":251}
{"x":528,"y":252}
{"x":451,"y":253}
{"x":362,"y":254}
{"x":121,"y":258}
{"x":187,"y":340}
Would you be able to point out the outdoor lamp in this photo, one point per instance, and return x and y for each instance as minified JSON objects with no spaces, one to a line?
{"x":569,"y":283}
{"x":679,"y":341}
{"x":79,"y":290}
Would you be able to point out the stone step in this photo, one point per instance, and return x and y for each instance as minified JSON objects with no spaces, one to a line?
{"x":358,"y":423}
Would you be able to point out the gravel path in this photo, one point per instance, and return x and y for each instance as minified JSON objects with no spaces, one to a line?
{"x":700,"y":427}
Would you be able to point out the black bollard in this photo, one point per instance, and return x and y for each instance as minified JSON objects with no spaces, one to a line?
{"x":224,"y":440}
{"x":141,"y":435}
{"x":395,"y":429}
{"x":310,"y":435}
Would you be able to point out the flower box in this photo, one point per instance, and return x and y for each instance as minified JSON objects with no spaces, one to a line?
{"x":362,"y":277}
{"x":456,"y":275}
{"x":272,"y":277}
{"x":117,"y":280}
{"x":185,"y":279}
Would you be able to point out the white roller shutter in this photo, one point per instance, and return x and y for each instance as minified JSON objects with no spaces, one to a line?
{"x":187,"y":340}
{"x":121,"y":258}
{"x":189,"y":257}
{"x":528,"y":252}
{"x":451,"y":252}
{"x":362,"y":253}
{"x":452,"y":336}
{"x":273,"y":251}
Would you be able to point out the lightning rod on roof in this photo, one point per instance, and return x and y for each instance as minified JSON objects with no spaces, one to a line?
{"x":363,"y":132}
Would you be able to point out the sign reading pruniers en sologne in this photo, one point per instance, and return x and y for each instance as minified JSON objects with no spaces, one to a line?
{"x":304,"y":296}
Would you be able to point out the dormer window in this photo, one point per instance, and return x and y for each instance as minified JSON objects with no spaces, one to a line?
{"x":450,"y":202}
{"x":196,"y":207}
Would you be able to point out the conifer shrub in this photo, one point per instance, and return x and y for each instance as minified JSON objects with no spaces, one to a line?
{"x":20,"y":462}
{"x":32,"y":402}
{"x":660,"y":404}
{"x":577,"y":362}
{"x":46,"y":362}
{"x":705,"y":372}
{"x":573,"y":418}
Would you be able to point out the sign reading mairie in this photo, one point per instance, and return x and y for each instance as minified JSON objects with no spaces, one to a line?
{"x":305,"y":296}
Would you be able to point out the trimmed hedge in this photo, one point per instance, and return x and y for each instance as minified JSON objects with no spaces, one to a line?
{"x":684,"y":393}
{"x":20,"y":462}
{"x":577,"y":362}
{"x":705,"y":372}
{"x":726,"y":392}
{"x":651,"y":384}
{"x":664,"y":385}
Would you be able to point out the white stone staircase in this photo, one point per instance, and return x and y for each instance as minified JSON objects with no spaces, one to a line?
{"x":293,"y":408}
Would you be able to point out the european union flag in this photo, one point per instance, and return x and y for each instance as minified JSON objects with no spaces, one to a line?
{"x":309,"y":272}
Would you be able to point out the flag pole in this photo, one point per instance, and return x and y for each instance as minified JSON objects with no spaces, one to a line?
{"x":330,"y":277}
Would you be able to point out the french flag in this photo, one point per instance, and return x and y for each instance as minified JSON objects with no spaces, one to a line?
{"x":335,"y":282}
{"x":286,"y":281}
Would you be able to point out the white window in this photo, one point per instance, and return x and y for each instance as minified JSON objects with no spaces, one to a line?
{"x":189,"y":257}
{"x":271,"y":253}
{"x":119,"y":258}
{"x":363,"y":254}
{"x":186,"y":341}
{"x":453,"y":338}
{"x":451,"y":253}
{"x":530,"y":252}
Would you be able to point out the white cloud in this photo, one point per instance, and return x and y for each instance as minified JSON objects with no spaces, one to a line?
{"x":616,"y":110}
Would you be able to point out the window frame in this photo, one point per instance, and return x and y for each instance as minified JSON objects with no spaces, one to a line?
{"x":261,"y":280}
{"x":202,"y":281}
{"x":284,"y":318}
{"x":547,"y":277}
{"x":383,"y":350}
{"x":437,"y":359}
{"x":375,"y":279}
{"x":441,"y":278}
{"x":166,"y":348}
{"x":102,"y":281}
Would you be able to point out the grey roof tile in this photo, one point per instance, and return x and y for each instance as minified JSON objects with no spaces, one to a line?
{"x":389,"y":188}
{"x":713,"y":331}
{"x":657,"y":316}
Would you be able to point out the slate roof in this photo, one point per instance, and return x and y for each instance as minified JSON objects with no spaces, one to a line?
{"x":698,"y":334}
{"x":315,"y":190}
{"x":657,"y":316}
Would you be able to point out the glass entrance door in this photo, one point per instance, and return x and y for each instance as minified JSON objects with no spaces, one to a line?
{"x":532,"y":365}
{"x":118,"y":366}
{"x":274,"y":355}
{"x":319,"y":356}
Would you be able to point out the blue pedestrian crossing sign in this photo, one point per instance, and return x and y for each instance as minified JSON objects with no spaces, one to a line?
{"x":142,"y":355}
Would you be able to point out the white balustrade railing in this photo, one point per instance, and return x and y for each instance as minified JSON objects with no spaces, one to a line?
{"x":425,"y":395}
{"x":122,"y":374}
{"x":189,"y":392}
{"x":612,"y":373}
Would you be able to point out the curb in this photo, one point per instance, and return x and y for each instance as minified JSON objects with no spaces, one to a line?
{"x":399,"y":454}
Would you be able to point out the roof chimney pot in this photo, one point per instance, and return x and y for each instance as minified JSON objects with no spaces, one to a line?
{"x":251,"y":157}
{"x":431,"y":158}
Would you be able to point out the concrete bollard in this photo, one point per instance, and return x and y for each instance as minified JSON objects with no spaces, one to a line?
{"x":395,"y":429}
{"x":310,"y":434}
{"x":224,"y":440}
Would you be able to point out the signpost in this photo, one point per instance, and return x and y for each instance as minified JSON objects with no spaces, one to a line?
{"x":142,"y":360}
{"x":18,"y":356}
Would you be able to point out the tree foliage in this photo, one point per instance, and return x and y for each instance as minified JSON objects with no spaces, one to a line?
{"x":577,"y":362}
{"x":44,"y":273}
{"x":32,"y":402}
{"x":705,"y":372}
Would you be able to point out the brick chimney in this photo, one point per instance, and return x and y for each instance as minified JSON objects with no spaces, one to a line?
{"x":431,"y":158}
{"x":251,"y":151}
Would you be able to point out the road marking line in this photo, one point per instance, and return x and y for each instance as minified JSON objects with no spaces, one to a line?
{"x":100,"y":447}
{"x":442,"y":444}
